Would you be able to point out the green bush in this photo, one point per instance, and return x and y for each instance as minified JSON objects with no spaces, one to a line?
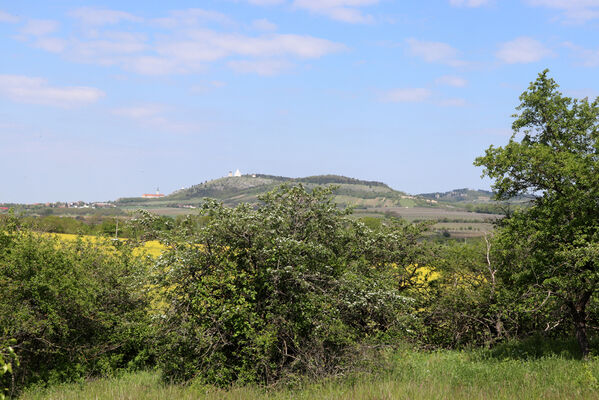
{"x":8,"y":358}
{"x":289,"y":287}
{"x":75,"y":309}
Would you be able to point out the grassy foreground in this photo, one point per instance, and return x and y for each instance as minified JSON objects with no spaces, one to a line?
{"x":408,"y":375}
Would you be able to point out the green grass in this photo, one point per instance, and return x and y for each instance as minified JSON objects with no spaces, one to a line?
{"x":407,"y":375}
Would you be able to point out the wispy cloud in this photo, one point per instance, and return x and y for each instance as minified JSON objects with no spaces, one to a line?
{"x":207,"y":45}
{"x":522,"y":50}
{"x":420,"y":95}
{"x":435,"y":52}
{"x":9,"y":18}
{"x":340,"y":10}
{"x":192,"y":18}
{"x":350,"y":11}
{"x":260,"y":67}
{"x":468,"y":3}
{"x":406,"y":95}
{"x":91,"y":16}
{"x":155,"y":116}
{"x":51,"y":44}
{"x":187,"y":46}
{"x":108,"y":49}
{"x":39,"y":27}
{"x":573,"y":11}
{"x":451,"y":80}
{"x":264,"y":25}
{"x":151,"y":65}
{"x":588,"y":57}
{"x":34,"y":90}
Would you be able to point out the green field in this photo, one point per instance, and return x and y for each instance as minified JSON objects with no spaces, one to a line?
{"x":405,"y":375}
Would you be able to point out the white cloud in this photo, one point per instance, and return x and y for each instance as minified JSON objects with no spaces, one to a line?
{"x":468,"y":3}
{"x":435,"y":52}
{"x":574,"y":11}
{"x":33,"y":90}
{"x":522,"y":50}
{"x":91,"y":16}
{"x":149,"y":65}
{"x":155,"y":116}
{"x":192,"y":17}
{"x":588,"y":57}
{"x":451,"y":80}
{"x":50,"y":44}
{"x":6,"y":17}
{"x":39,"y":27}
{"x":206,"y":46}
{"x":264,"y":25}
{"x":260,"y":67}
{"x":340,"y":10}
{"x":187,"y":46}
{"x":406,"y":95}
{"x":107,"y":48}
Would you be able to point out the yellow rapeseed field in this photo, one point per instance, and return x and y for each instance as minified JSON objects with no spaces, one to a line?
{"x":153,"y":247}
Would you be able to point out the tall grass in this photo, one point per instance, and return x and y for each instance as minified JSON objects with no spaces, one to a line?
{"x":405,"y":375}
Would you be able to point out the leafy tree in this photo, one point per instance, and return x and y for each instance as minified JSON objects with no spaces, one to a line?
{"x":290,"y":286}
{"x":549,"y":253}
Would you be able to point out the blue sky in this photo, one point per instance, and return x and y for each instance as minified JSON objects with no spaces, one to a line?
{"x":100,"y":100}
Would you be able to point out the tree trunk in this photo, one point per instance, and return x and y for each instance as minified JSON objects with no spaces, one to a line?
{"x":581,"y":336}
{"x":579,"y":315}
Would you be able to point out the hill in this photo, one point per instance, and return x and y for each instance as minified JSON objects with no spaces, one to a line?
{"x":460,"y":196}
{"x":246,"y":188}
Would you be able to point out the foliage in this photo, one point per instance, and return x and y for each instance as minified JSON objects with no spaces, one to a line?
{"x":463,"y":307}
{"x":8,"y":358}
{"x":291,"y":286}
{"x":75,"y":309}
{"x":549,"y":253}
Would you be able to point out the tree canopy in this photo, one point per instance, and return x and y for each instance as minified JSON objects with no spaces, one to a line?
{"x":549,"y":252}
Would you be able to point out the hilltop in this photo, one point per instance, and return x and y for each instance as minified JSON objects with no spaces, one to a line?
{"x":246,"y":188}
{"x":460,"y":195}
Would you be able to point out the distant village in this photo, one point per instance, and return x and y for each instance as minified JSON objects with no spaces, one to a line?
{"x":72,"y":204}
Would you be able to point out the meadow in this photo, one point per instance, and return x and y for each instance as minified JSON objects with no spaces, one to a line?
{"x":404,"y":374}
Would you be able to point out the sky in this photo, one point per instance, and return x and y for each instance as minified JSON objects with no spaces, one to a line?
{"x":109,"y":99}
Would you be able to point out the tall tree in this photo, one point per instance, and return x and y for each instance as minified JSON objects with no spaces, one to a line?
{"x":550,"y":251}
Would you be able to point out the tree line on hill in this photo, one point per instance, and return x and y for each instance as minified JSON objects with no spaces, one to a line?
{"x":293,"y":287}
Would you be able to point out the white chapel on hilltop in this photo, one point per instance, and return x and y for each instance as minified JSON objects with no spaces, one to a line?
{"x":237,"y":173}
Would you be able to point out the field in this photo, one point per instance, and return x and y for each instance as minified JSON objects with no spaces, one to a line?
{"x":405,"y":375}
{"x":435,"y":213}
{"x":152,"y":247}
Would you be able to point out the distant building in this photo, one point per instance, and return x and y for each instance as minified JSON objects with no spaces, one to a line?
{"x":152,"y":195}
{"x":237,"y":173}
{"x":230,"y":173}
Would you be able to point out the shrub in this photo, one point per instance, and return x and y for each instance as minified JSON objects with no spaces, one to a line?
{"x":74,"y":309}
{"x":291,"y":286}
